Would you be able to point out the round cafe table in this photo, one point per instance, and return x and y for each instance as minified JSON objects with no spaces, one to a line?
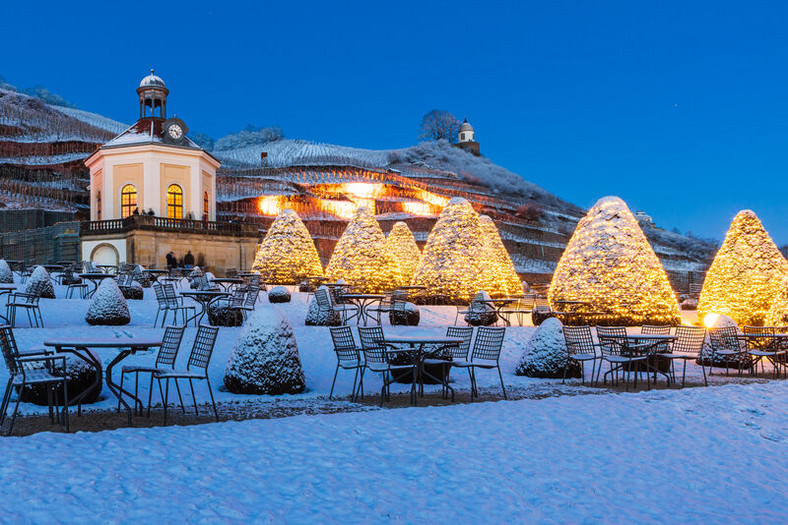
{"x":228,"y":282}
{"x":363,"y":301}
{"x":94,"y":278}
{"x":154,"y":273}
{"x":204,"y":298}
{"x":416,"y":345}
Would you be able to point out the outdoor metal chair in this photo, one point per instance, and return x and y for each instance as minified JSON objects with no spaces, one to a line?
{"x":581,"y":348}
{"x":348,"y":358}
{"x":324,"y":304}
{"x":459,"y":352}
{"x":175,"y":304}
{"x":726,"y":345}
{"x":378,"y":359}
{"x":519,"y":308}
{"x":28,"y":369}
{"x":687,"y":347}
{"x":168,"y":352}
{"x":761,"y":344}
{"x":622,"y":356}
{"x":486,"y":354}
{"x":196,"y":368}
{"x":28,"y":301}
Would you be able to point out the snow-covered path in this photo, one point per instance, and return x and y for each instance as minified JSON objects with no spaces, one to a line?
{"x":712,"y":454}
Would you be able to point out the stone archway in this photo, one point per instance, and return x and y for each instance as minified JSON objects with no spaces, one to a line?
{"x":105,"y":254}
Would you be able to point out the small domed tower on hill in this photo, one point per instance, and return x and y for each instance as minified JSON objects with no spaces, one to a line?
{"x":466,"y":139}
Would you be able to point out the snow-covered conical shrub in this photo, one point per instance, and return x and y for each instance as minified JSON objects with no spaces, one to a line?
{"x":746,"y":274}
{"x":40,"y":278}
{"x":360,"y":256}
{"x":265,"y":358}
{"x":609,"y":264}
{"x":778,"y":312}
{"x":108,"y":306}
{"x":287,"y":254}
{"x":456,"y":261}
{"x":545,"y":353}
{"x":6,"y":275}
{"x":401,"y":244}
{"x":501,"y":257}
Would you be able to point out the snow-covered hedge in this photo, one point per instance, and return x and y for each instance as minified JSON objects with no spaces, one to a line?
{"x":81,"y":377}
{"x":40,"y":278}
{"x":279,"y":294}
{"x":480,"y":313}
{"x":545,"y":353}
{"x":133,"y":291}
{"x":265,"y":358}
{"x":409,"y":315}
{"x":6,"y":275}
{"x":108,"y":306}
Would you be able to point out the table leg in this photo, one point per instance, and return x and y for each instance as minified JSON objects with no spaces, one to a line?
{"x":88,"y":358}
{"x":115,"y":388}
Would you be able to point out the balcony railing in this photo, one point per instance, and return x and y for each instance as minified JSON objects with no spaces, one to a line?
{"x":147,"y":222}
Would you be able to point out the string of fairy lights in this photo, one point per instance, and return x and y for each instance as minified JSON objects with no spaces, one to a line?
{"x":287,"y":254}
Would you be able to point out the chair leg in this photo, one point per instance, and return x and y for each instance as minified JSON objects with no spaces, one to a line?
{"x":331,"y":393}
{"x":502,"y":386}
{"x":194,"y":398}
{"x":166,"y":397}
{"x":210,"y":392}
{"x":353,"y":394}
{"x":120,"y":394}
{"x":65,"y":403}
{"x":178,"y":389}
{"x":16,"y":410}
{"x":6,"y":398}
{"x":150,"y":394}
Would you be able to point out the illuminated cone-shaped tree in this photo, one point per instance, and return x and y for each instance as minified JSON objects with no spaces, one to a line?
{"x":287,"y":253}
{"x":746,"y":274}
{"x":456,"y":261}
{"x":401,"y":244}
{"x":609,"y":264}
{"x":511,"y":281}
{"x":360,"y":257}
{"x":778,"y":312}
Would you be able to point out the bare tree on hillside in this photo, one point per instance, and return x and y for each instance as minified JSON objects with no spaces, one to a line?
{"x":439,"y":124}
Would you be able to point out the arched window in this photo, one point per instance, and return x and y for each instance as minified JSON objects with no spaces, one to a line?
{"x":98,"y":205}
{"x":174,"y":202}
{"x":205,"y":208}
{"x":128,"y":200}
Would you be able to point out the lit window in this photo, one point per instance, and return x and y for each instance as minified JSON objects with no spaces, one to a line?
{"x":205,"y":208}
{"x":128,"y":200}
{"x":98,"y":205}
{"x":174,"y":202}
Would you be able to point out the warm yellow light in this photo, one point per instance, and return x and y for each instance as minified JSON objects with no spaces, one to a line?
{"x":710,"y":320}
{"x":363,"y":189}
{"x":271,"y":204}
{"x":343,"y":209}
{"x":609,"y":265}
{"x":401,"y":245}
{"x":432,"y":198}
{"x":287,"y":254}
{"x":746,"y":275}
{"x":419,"y":209}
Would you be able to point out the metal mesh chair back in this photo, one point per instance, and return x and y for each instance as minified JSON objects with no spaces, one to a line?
{"x":460,"y":332}
{"x":690,"y":340}
{"x":170,"y":296}
{"x":612,"y":339}
{"x":650,"y":329}
{"x":251,"y":297}
{"x":488,"y":343}
{"x":124,"y":279}
{"x":763,"y":337}
{"x":10,"y":350}
{"x":344,"y":345}
{"x":161,"y":298}
{"x":579,"y":339}
{"x":321,"y":296}
{"x":204,"y":342}
{"x":168,"y":351}
{"x":238,"y":298}
{"x":373,"y":344}
{"x":725,"y":338}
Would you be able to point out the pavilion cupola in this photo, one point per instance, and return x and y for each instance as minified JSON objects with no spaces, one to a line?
{"x":153,"y":94}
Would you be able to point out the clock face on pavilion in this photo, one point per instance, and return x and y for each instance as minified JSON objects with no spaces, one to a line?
{"x":175,"y":132}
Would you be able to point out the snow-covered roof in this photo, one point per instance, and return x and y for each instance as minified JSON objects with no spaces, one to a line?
{"x":466,"y":126}
{"x":152,"y":80}
{"x":147,"y":131}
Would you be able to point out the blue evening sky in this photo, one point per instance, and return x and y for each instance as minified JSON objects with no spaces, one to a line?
{"x":680,"y":108}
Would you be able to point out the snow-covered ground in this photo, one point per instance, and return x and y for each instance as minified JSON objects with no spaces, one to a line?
{"x":712,"y":455}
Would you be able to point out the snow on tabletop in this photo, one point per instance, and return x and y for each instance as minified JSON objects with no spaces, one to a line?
{"x":6,"y":275}
{"x":265,"y":357}
{"x":108,"y":306}
{"x":651,"y":457}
